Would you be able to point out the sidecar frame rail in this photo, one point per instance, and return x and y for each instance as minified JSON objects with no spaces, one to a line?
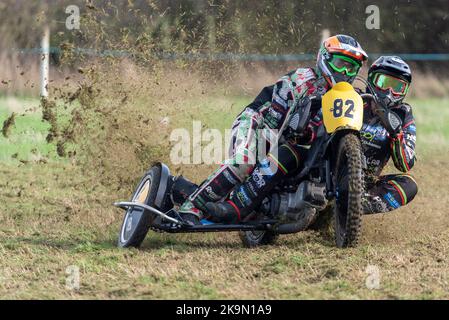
{"x":219,"y":227}
{"x":129,"y":204}
{"x":182,"y":227}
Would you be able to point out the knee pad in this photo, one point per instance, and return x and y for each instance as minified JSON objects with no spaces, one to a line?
{"x":408,"y":184}
{"x":402,"y":186}
{"x":288,"y":158}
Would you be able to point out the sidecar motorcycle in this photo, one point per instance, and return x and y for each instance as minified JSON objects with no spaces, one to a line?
{"x":331,"y":181}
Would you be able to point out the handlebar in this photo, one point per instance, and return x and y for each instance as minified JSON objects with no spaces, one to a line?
{"x":368,"y":96}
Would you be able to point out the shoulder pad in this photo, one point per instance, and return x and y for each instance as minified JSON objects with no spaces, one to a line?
{"x":302,"y":75}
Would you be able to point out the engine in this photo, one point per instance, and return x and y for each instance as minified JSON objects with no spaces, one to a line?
{"x":303,"y":203}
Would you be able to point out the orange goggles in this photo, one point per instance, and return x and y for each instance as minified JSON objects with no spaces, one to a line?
{"x":385,"y":82}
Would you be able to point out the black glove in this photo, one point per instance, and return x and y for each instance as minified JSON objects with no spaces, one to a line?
{"x":390,"y":120}
{"x":393,"y":124}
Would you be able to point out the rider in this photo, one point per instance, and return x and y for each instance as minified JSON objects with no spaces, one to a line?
{"x":249,"y":180}
{"x":390,"y":78}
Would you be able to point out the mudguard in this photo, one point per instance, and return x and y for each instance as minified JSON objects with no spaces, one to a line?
{"x":162,"y":189}
{"x":342,"y":108}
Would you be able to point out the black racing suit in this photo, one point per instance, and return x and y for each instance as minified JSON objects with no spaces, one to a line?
{"x":389,"y":192}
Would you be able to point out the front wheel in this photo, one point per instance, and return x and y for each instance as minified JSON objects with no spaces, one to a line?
{"x":348,"y":182}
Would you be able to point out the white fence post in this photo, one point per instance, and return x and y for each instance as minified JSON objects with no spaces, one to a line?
{"x":325,"y":33}
{"x":45,"y":61}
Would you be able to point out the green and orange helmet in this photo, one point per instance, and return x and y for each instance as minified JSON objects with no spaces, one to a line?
{"x":390,"y":77}
{"x":340,"y":58}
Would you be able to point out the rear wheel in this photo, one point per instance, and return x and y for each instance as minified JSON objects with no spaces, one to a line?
{"x":137,"y":221}
{"x":348,"y":182}
{"x":251,"y":239}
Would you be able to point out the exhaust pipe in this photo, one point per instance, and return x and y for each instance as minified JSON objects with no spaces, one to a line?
{"x":291,"y":227}
{"x":306,"y":218}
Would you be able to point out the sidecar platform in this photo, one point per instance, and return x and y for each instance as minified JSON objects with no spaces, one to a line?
{"x":177,"y":225}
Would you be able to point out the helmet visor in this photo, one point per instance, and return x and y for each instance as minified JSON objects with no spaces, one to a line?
{"x":385,"y":82}
{"x":345,"y":64}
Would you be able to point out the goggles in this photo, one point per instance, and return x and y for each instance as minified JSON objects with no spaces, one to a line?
{"x":345,"y":64}
{"x":385,"y":82}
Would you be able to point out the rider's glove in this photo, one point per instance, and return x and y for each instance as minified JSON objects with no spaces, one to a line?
{"x":304,"y":138}
{"x":307,"y":136}
{"x":393,"y":124}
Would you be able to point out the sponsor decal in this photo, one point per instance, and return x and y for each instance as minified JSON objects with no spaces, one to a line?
{"x":373,"y":162}
{"x":211,"y":193}
{"x":242,"y":196}
{"x":371,"y":144}
{"x":252,"y":190}
{"x":410,"y":137}
{"x":258,"y":178}
{"x":391,"y":200}
{"x":373,"y":133}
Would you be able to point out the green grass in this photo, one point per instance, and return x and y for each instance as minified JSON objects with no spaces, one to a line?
{"x":54,"y":215}
{"x":27,"y":137}
{"x":432,"y":118}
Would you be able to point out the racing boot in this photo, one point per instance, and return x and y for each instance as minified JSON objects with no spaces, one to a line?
{"x":213,"y":189}
{"x":190,"y":214}
{"x":389,"y":193}
{"x":265,"y":176}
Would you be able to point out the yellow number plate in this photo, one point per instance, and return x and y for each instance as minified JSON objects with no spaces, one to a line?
{"x":342,"y":107}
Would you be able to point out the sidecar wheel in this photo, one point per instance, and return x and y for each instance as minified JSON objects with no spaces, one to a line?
{"x":137,"y":221}
{"x":251,"y":239}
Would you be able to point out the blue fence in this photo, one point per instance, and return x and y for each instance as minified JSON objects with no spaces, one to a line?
{"x":235,"y":56}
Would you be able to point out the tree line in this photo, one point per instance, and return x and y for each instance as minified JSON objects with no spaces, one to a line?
{"x":223,"y":26}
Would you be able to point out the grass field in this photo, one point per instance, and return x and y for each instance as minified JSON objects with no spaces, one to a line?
{"x":52,"y":217}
